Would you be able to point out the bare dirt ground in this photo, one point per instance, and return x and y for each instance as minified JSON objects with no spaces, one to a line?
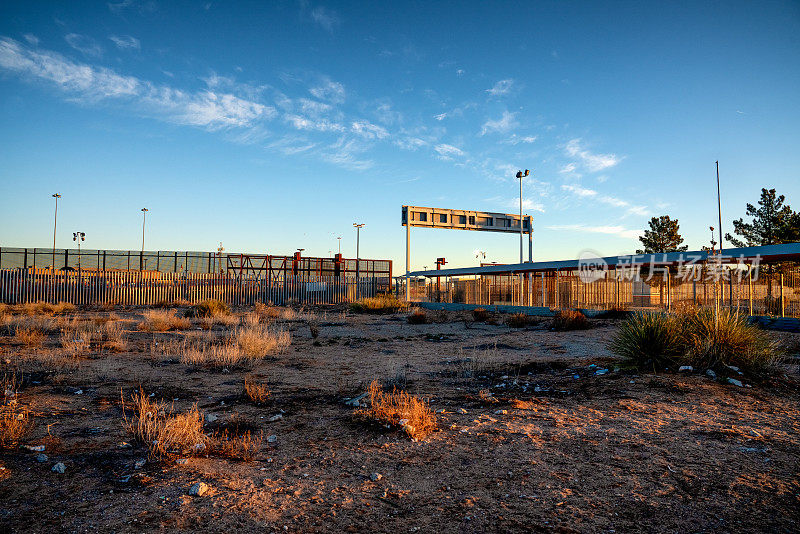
{"x":533,"y":435}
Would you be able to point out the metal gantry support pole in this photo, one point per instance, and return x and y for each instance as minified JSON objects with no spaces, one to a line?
{"x":408,"y":255}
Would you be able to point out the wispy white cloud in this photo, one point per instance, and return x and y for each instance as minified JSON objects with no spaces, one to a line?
{"x":501,"y":88}
{"x":32,"y":39}
{"x":447,"y":152}
{"x":502,"y":125}
{"x":440,"y":116}
{"x":368,"y":130}
{"x":619,"y":231}
{"x":517,"y":139}
{"x":609,"y":200}
{"x":327,"y":18}
{"x":321,"y":125}
{"x":125,"y":42}
{"x":207,"y":109}
{"x":291,"y":145}
{"x":410,"y":143}
{"x":83,"y":44}
{"x":345,"y":153}
{"x":591,"y":161}
{"x":329,"y":90}
{"x":512,"y":203}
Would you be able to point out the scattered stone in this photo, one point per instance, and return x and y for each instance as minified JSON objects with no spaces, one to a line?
{"x":198,"y":489}
{"x":355,"y":401}
{"x":210,"y":418}
{"x":274,"y":418}
{"x":41,"y":458}
{"x":272,"y":439}
{"x":711,"y":374}
{"x":576,"y":376}
{"x":124,"y":445}
{"x":733,"y":368}
{"x":59,"y":468}
{"x":34,"y":448}
{"x":735,"y":382}
{"x":79,"y":392}
{"x":500,"y":412}
{"x":182,"y":461}
{"x":375,"y":477}
{"x":462,"y":410}
{"x":601,"y":372}
{"x":686,"y":368}
{"x":139,"y":463}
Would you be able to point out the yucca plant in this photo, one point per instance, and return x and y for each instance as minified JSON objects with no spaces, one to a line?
{"x":648,"y":340}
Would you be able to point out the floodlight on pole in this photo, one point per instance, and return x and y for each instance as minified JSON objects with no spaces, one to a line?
{"x":55,"y":221}
{"x":78,"y":237}
{"x":521,"y":175}
{"x":340,"y":243}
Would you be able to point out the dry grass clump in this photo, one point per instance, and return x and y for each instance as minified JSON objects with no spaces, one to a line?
{"x":44,"y":308}
{"x":399,"y":409}
{"x":163,"y":432}
{"x":243,"y":447}
{"x":696,"y":338}
{"x":570,"y":320}
{"x":10,"y":384}
{"x":379,"y":304}
{"x":218,"y":356}
{"x":417,"y":317}
{"x":162,"y":321}
{"x":225,"y":320}
{"x":81,"y":336}
{"x":258,"y":393}
{"x":259,"y":341}
{"x":28,"y":337}
{"x":15,"y":424}
{"x":479,"y":362}
{"x":208,"y":308}
{"x":521,"y":320}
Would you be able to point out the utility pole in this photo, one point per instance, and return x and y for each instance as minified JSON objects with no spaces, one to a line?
{"x":339,"y":239}
{"x":719,"y":210}
{"x":358,"y":227}
{"x":141,"y":255}
{"x":55,"y":221}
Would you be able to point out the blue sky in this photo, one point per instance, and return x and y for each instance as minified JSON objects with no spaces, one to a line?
{"x":272,"y":126}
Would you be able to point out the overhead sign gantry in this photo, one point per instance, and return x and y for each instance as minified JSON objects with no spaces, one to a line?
{"x":447,"y":219}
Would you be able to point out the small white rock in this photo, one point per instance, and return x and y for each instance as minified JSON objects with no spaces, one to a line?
{"x":375,"y":477}
{"x":272,"y":439}
{"x":210,"y":418}
{"x":711,"y":374}
{"x":274,"y":418}
{"x":139,"y":463}
{"x":686,"y":368}
{"x":41,"y":457}
{"x":182,"y":461}
{"x":500,"y":412}
{"x":35,"y":448}
{"x":735,"y":382}
{"x":59,"y":468}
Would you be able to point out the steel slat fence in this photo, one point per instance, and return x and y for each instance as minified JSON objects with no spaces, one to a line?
{"x":146,"y":288}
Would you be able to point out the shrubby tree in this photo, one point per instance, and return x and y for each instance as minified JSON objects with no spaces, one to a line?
{"x":663,"y":236}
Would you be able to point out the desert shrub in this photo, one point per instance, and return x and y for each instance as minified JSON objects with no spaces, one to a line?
{"x":225,"y":319}
{"x":10,"y":384}
{"x":417,"y":317}
{"x":480,"y":314}
{"x":163,"y":432}
{"x":648,"y":340}
{"x":45,"y":308}
{"x":208,"y":308}
{"x":28,"y":336}
{"x":401,"y":410}
{"x":162,"y":321}
{"x":695,"y":338}
{"x":224,"y":355}
{"x":521,"y":320}
{"x":259,"y":341}
{"x":15,"y":424}
{"x":731,"y":340}
{"x":257,"y":392}
{"x":242,"y":446}
{"x":570,"y":320}
{"x":379,"y":304}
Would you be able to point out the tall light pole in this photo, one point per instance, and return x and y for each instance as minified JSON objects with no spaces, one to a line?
{"x":141,"y":256}
{"x":521,"y":175}
{"x":340,"y":243}
{"x":358,"y":227}
{"x":55,"y":220}
{"x":719,"y":210}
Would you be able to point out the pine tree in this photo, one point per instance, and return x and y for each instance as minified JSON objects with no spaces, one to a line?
{"x":663,"y":236}
{"x":772,"y":223}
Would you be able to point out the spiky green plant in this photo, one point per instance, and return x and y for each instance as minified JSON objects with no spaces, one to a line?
{"x":648,"y":340}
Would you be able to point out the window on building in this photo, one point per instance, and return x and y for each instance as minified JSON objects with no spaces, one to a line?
{"x":472,"y":219}
{"x":442,"y":217}
{"x":462,"y":219}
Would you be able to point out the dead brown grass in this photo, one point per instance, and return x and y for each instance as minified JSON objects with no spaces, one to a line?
{"x":258,"y":393}
{"x":162,"y":431}
{"x":162,"y":321}
{"x":28,"y":337}
{"x":15,"y":424}
{"x":260,"y":341}
{"x":401,"y":410}
{"x":243,"y":447}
